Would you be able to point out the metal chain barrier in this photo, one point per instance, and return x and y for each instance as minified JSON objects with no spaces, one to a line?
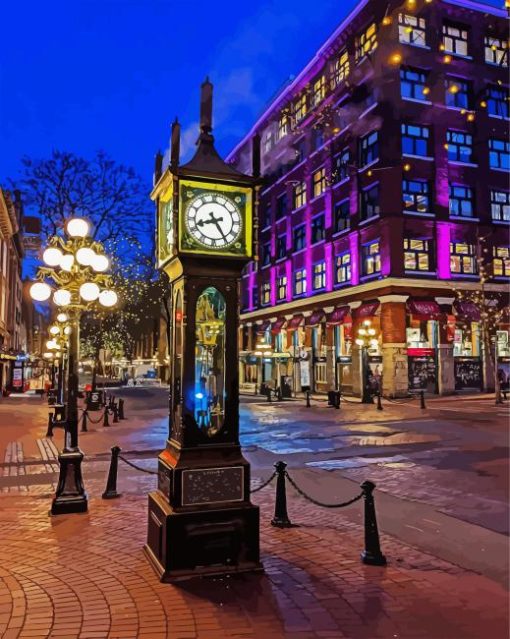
{"x":143,"y":470}
{"x":350,"y":401}
{"x":400,"y":401}
{"x":319,"y":503}
{"x":264,"y":484}
{"x":94,"y":421}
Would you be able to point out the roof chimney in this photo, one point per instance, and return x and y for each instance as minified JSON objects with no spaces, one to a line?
{"x":175,"y":144}
{"x":206,"y":107}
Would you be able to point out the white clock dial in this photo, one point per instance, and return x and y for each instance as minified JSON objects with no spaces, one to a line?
{"x":213,"y":220}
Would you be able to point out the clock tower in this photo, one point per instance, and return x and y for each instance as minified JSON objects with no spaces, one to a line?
{"x":201,"y":520}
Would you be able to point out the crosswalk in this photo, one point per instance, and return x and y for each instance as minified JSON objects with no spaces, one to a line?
{"x":14,"y":466}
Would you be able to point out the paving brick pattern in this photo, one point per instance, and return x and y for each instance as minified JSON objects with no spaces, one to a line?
{"x":86,"y":576}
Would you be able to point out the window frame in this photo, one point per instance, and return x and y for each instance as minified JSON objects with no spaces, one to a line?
{"x":456,"y":147}
{"x":464,"y":259}
{"x":336,"y":217}
{"x":504,"y":216}
{"x":369,"y":150}
{"x":454,"y":196}
{"x":415,"y":195}
{"x":319,"y":185}
{"x":265,"y":254}
{"x":448,"y":27}
{"x":503,"y":260}
{"x":281,"y":210}
{"x":300,"y":108}
{"x":414,"y":84}
{"x":265,"y":291}
{"x":460,"y":99}
{"x":416,"y":253}
{"x":366,"y":42}
{"x":340,"y":68}
{"x":281,"y":285}
{"x":494,"y":49}
{"x":281,"y":241}
{"x":299,"y":281}
{"x":299,"y":195}
{"x":294,"y":238}
{"x":413,"y":25}
{"x":318,"y":90}
{"x":364,"y":202}
{"x":368,"y":256}
{"x":319,"y":275}
{"x":501,"y":102}
{"x":343,"y":266}
{"x":321,"y":229}
{"x":406,"y":131}
{"x":502,"y":155}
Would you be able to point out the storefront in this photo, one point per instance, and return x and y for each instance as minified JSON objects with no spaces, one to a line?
{"x":6,"y":361}
{"x":422,"y":336}
{"x":503,"y":359}
{"x":339,"y":321}
{"x":467,"y":347}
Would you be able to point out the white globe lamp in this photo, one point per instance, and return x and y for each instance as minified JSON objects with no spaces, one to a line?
{"x":54,"y":330}
{"x":108,"y":298}
{"x":62,"y":317}
{"x":89,"y":291}
{"x":67,"y":330}
{"x":62,"y":297}
{"x":67,"y":261}
{"x":40,"y":292}
{"x":85,"y":255}
{"x":77,"y":227}
{"x":52,"y":256}
{"x":100,"y":263}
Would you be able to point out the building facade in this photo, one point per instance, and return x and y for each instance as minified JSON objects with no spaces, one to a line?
{"x":385,"y":199}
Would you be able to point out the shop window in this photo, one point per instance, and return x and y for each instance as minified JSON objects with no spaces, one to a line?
{"x":281,"y":206}
{"x":415,"y":139}
{"x":342,"y":216}
{"x":412,"y":83}
{"x":319,"y":276}
{"x":299,"y":238}
{"x":460,"y":146}
{"x":455,"y":38}
{"x":370,"y":202}
{"x":462,"y":258}
{"x":500,"y":205}
{"x":499,"y":154}
{"x":281,"y":288}
{"x":369,"y":148}
{"x":300,"y":108}
{"x":343,"y":268}
{"x":319,"y":182}
{"x":265,"y":293}
{"x":417,"y":255}
{"x":266,"y":254}
{"x":496,"y":51}
{"x":265,"y":219}
{"x":281,"y":248}
{"x":366,"y":42}
{"x":461,"y":201}
{"x":318,"y":90}
{"x":299,"y":282}
{"x":501,"y":261}
{"x":416,"y":196}
{"x":283,"y":125}
{"x":341,"y":166}
{"x":371,"y":254}
{"x":340,"y":69}
{"x":411,"y":30}
{"x":318,"y":228}
{"x":457,"y":93}
{"x":321,"y":373}
{"x":497,"y":101}
{"x":299,"y":194}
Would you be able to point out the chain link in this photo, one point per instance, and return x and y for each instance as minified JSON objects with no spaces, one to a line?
{"x":143,"y":470}
{"x":263,"y":485}
{"x":319,"y":503}
{"x":94,"y":421}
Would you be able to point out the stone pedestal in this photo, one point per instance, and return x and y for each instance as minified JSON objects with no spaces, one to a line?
{"x":446,"y":369}
{"x":395,"y":378}
{"x":356,"y":370}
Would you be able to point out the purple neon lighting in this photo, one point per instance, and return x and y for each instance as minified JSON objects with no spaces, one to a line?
{"x":354,"y":248}
{"x":443,"y":250}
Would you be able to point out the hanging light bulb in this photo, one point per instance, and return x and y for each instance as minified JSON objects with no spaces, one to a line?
{"x":100,"y":263}
{"x":89,"y":291}
{"x":62,"y":297}
{"x":67,"y":261}
{"x":77,"y":227}
{"x":85,"y":255}
{"x":52,"y":256}
{"x":108,"y":298}
{"x":40,"y":291}
{"x":67,"y":330}
{"x":54,"y":330}
{"x":62,"y":317}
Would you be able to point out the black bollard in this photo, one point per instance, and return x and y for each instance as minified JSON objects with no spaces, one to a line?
{"x":280,"y":519}
{"x":105,"y":417}
{"x":422,"y":400}
{"x":279,"y":394}
{"x":115,"y":414}
{"x":121,"y":409}
{"x":112,"y":402}
{"x":268,"y":394}
{"x":111,"y":484}
{"x":379,"y":404}
{"x":49,"y":431}
{"x":308,"y":405}
{"x":372,"y":554}
{"x":84,"y":422}
{"x":337,"y":399}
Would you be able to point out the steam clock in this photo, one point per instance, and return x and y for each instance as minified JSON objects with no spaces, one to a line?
{"x":201,"y":520}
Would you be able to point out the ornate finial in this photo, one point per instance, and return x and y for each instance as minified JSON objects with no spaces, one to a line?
{"x":206,"y":106}
{"x":175,"y":144}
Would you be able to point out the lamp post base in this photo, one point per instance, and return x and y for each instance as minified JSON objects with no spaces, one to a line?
{"x":70,"y":496}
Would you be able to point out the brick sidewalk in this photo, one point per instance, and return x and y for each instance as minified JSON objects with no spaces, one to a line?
{"x":86,"y":576}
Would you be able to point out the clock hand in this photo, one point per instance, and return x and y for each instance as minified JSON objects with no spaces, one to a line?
{"x":215,"y":221}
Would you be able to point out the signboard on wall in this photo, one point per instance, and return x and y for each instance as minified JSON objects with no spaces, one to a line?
{"x":422,"y":373}
{"x":468,"y":372}
{"x":304,"y":372}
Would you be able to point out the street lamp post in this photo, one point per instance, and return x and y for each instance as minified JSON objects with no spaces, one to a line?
{"x":76,"y":266}
{"x":366,"y":339}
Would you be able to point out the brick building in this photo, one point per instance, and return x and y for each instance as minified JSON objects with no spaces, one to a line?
{"x":385,"y":193}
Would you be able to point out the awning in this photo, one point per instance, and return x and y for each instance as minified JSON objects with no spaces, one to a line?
{"x":338,"y":315}
{"x":278,"y":325}
{"x":423,"y":309}
{"x":367,"y":309}
{"x":262,"y":328}
{"x":293,"y":323}
{"x":467,"y":310}
{"x":315,"y":318}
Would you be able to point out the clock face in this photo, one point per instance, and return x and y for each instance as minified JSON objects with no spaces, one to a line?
{"x":213,"y":220}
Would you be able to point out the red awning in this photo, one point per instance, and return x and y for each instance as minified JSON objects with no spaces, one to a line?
{"x":423,"y":309}
{"x":278,"y":325}
{"x":338,"y":315}
{"x":368,"y":309}
{"x":465,"y":309}
{"x":262,"y":328}
{"x":315,"y":318}
{"x":293,"y":323}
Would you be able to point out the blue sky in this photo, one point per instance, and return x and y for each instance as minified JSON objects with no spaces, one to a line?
{"x":113,"y":74}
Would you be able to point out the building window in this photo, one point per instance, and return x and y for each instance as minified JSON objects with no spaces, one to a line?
{"x":319,"y":90}
{"x":460,"y":146}
{"x":461,"y":200}
{"x":416,"y":255}
{"x":499,"y":154}
{"x":501,"y":261}
{"x":317,"y":139}
{"x":319,"y":182}
{"x":340,"y":69}
{"x":265,"y":294}
{"x":411,"y":30}
{"x":457,"y":93}
{"x":370,"y":202}
{"x":299,"y":238}
{"x":300,"y":282}
{"x":415,"y":139}
{"x":318,"y":228}
{"x":462,"y":258}
{"x":500,"y":205}
{"x":319,"y":276}
{"x":412,"y":83}
{"x":300,"y":108}
{"x":268,"y":142}
{"x":283,"y":125}
{"x":455,"y":39}
{"x":341,"y":166}
{"x":299,"y":194}
{"x":416,"y":195}
{"x":496,"y":51}
{"x":281,"y":248}
{"x":371,"y":258}
{"x":281,"y":287}
{"x":497,"y":101}
{"x":369,"y":148}
{"x":343,"y":268}
{"x":342,"y":216}
{"x":266,"y":216}
{"x":266,"y":254}
{"x":366,"y":42}
{"x":281,"y":206}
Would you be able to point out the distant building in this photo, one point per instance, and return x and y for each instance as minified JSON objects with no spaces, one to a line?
{"x":386,"y":168}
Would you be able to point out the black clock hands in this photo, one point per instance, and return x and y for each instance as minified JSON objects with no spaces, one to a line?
{"x":213,"y":220}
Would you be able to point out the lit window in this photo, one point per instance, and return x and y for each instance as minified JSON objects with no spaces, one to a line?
{"x":266,"y":254}
{"x":500,"y":205}
{"x":412,"y":83}
{"x":342,"y":216}
{"x":461,"y":200}
{"x":281,"y":247}
{"x":281,"y":287}
{"x":460,"y":146}
{"x":268,"y":142}
{"x":496,"y":51}
{"x":300,"y":194}
{"x":319,"y":90}
{"x":341,"y":166}
{"x":411,"y":30}
{"x":299,"y":238}
{"x":283,"y":125}
{"x":300,"y":282}
{"x":340,"y":69}
{"x":455,"y":39}
{"x":371,"y":258}
{"x":457,"y":93}
{"x":300,"y":108}
{"x":319,"y":276}
{"x":318,"y":228}
{"x":369,"y":148}
{"x":319,"y":182}
{"x":416,"y":195}
{"x":462,"y":258}
{"x":265,"y":220}
{"x":343,"y":268}
{"x":370,"y":202}
{"x":499,"y":154}
{"x":497,"y":101}
{"x":366,"y":42}
{"x":416,"y":255}
{"x":415,"y":139}
{"x":281,"y":206}
{"x":501,"y":261}
{"x":265,"y":293}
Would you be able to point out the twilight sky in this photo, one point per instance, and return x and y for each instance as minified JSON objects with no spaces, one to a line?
{"x":113,"y":74}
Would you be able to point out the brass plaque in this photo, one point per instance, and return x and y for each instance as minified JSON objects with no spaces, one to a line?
{"x":212,"y":485}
